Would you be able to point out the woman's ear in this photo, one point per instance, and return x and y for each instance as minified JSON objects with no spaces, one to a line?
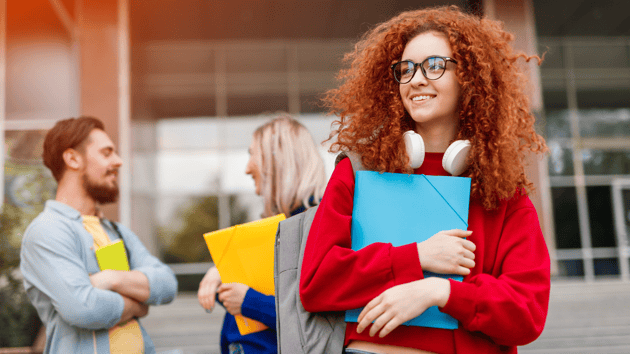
{"x":73,"y":159}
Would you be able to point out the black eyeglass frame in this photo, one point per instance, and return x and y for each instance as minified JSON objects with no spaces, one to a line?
{"x":421,"y":65}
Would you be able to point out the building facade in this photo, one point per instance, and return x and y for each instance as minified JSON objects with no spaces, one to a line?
{"x":181,"y":87}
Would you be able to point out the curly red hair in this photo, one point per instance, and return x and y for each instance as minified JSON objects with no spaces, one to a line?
{"x":494,"y":109}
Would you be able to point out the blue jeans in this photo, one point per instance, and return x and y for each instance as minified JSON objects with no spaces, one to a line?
{"x":236,"y":348}
{"x":356,"y":351}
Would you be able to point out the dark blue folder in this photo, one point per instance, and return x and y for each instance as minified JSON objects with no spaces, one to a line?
{"x":400,"y":209}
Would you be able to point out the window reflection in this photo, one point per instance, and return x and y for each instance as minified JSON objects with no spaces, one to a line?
{"x":200,"y":181}
{"x":557,"y":124}
{"x":601,"y":216}
{"x":560,"y":159}
{"x":600,"y":56}
{"x":27,"y":182}
{"x":566,"y":217}
{"x":600,"y":162}
{"x":604,"y":122}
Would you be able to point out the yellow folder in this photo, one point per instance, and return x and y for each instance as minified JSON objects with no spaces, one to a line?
{"x":244,"y":254}
{"x":112,"y":256}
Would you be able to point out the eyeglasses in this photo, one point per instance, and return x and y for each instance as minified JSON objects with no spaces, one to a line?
{"x":432,"y":68}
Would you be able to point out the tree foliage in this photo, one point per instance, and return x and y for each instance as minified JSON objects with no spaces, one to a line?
{"x":199,"y":216}
{"x":19,"y":323}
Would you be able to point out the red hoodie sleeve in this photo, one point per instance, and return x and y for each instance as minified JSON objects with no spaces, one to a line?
{"x":334,"y":277}
{"x":508,"y":298}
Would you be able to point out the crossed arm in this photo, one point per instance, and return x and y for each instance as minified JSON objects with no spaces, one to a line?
{"x":51,"y":265}
{"x":133,"y":286}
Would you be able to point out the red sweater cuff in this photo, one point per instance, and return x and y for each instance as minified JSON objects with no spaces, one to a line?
{"x":406,"y":264}
{"x":461,"y":302}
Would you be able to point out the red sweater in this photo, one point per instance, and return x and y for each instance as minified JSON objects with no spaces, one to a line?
{"x":502,"y":303}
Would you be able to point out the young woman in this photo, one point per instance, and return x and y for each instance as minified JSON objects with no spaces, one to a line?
{"x":289,"y":174}
{"x":447,"y":76}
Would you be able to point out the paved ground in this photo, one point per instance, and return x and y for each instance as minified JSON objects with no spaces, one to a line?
{"x":583,"y":318}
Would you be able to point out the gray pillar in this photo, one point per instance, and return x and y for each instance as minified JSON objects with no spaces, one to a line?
{"x":3,"y":79}
{"x":518,"y":17}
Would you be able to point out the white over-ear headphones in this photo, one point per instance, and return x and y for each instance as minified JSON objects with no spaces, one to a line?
{"x":454,"y":160}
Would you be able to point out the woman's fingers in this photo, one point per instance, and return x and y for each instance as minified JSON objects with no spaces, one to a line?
{"x":469,"y":245}
{"x":390,"y":326}
{"x":369,"y":313}
{"x":383,"y":319}
{"x":467,"y":262}
{"x":458,"y":232}
{"x":463,"y":271}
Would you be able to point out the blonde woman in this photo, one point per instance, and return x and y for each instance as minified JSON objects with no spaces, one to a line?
{"x":289,"y":174}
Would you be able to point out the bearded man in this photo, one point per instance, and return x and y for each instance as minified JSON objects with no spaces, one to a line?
{"x":84,"y":309}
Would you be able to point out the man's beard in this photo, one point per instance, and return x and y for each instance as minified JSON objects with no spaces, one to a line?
{"x":100,"y":193}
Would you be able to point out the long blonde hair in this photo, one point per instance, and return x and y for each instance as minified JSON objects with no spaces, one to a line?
{"x":291,"y":168}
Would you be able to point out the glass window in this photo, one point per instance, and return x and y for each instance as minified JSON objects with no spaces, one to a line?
{"x":258,"y":104}
{"x":560,"y":159}
{"x":566,"y":217}
{"x":167,"y":107}
{"x":195,"y":160}
{"x":599,"y":98}
{"x":604,"y":122}
{"x":601,"y":216}
{"x":311,"y":103}
{"x":181,"y":236}
{"x":186,"y":58}
{"x":28,"y":183}
{"x":27,"y":186}
{"x":256,"y":58}
{"x":557,"y":124}
{"x":321,"y":56}
{"x":601,"y":162}
{"x":606,"y":266}
{"x":571,"y":268}
{"x":625,"y":194}
{"x":600,"y":56}
{"x":554,"y":58}
{"x":555,"y":99}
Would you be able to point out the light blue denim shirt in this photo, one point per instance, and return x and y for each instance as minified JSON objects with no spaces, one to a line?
{"x":57,"y":257}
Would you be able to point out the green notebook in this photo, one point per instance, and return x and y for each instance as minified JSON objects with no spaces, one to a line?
{"x":112,"y":256}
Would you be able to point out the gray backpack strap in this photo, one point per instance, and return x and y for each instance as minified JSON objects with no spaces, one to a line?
{"x":287,"y":252}
{"x":299,"y":331}
{"x":355,"y":160}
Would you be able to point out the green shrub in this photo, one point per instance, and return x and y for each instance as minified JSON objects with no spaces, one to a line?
{"x":19,"y":323}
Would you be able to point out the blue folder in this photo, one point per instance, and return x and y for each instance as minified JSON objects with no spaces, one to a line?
{"x":401,"y":209}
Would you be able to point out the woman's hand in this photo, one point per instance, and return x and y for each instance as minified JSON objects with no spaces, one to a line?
{"x":208,"y":288}
{"x":447,"y":252}
{"x":232,"y":296}
{"x":401,"y":303}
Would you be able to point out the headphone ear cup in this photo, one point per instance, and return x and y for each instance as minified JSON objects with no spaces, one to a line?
{"x":415,"y":148}
{"x":455,"y":160}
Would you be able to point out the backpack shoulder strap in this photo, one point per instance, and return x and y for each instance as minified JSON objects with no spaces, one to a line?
{"x":355,"y":160}
{"x":297,"y":330}
{"x":117,"y":230}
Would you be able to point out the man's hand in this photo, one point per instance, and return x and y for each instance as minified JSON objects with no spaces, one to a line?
{"x":447,"y":252}
{"x":232,"y":296}
{"x":133,"y":284}
{"x":208,"y":288}
{"x":104,"y":279}
{"x":133,"y":309}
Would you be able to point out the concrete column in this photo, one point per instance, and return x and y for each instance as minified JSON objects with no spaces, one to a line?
{"x":518,"y":17}
{"x":3,"y":79}
{"x":103,"y":62}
